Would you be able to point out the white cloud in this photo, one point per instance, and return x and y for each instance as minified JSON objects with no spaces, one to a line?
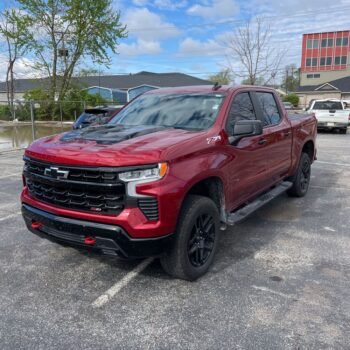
{"x":169,"y":4}
{"x":140,"y":47}
{"x":21,"y":69}
{"x":217,"y":9}
{"x":147,"y":25}
{"x":140,"y":2}
{"x":189,"y":47}
{"x":161,"y":4}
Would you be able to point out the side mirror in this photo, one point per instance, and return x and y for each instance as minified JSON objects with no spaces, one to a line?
{"x":245,"y":128}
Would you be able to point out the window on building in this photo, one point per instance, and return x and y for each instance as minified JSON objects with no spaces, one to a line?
{"x":340,"y":60}
{"x":269,"y":108}
{"x":342,"y":41}
{"x":325,"y":61}
{"x":241,"y":109}
{"x":311,"y":62}
{"x":313,"y":76}
{"x":327,"y":42}
{"x":312,"y":44}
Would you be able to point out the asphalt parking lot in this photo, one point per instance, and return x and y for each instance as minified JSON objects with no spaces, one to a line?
{"x":281,"y":279}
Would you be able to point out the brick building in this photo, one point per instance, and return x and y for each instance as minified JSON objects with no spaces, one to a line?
{"x":325,"y":57}
{"x":325,"y":66}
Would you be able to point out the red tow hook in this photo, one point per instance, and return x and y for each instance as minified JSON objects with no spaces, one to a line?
{"x":90,"y":240}
{"x":36,"y":225}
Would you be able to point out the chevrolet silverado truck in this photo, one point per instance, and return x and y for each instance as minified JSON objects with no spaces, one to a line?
{"x":330,"y":115}
{"x":172,"y":169}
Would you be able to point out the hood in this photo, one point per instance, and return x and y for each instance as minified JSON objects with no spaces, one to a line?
{"x":115,"y":145}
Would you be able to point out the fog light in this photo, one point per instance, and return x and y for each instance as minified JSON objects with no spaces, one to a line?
{"x":36,"y":225}
{"x":90,"y":240}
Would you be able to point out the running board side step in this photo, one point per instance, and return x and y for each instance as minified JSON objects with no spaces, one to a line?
{"x":240,"y":214}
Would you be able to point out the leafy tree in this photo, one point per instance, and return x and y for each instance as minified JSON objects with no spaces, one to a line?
{"x":74,"y":102}
{"x":291,"y":78}
{"x":292,"y":98}
{"x":70,"y":31}
{"x":44,"y":107}
{"x":13,"y":29}
{"x":224,"y":77}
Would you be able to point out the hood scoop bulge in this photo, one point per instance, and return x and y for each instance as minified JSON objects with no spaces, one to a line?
{"x":109,"y":134}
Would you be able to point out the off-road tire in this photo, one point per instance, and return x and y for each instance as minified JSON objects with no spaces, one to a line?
{"x":178,"y":261}
{"x":301,"y":178}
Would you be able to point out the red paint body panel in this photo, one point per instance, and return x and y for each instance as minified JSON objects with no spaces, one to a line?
{"x":244,"y":170}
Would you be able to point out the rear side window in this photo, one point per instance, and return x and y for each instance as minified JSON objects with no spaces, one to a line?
{"x":241,"y":109}
{"x":271,"y":113}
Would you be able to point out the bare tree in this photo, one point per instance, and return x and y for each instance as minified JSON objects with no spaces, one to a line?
{"x":16,"y":39}
{"x":251,"y":46}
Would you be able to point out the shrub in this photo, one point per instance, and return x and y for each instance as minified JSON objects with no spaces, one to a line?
{"x":292,"y":98}
{"x":5,"y":113}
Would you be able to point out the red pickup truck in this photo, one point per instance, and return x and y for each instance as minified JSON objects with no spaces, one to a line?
{"x":167,"y":173}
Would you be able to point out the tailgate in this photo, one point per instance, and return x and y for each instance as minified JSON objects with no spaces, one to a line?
{"x":332,"y":116}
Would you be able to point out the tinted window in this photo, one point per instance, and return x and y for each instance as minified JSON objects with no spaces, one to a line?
{"x":327,"y":42}
{"x":328,"y":105}
{"x":312,"y":44}
{"x":340,"y":60}
{"x":269,"y":108}
{"x":311,"y":62}
{"x":241,"y":109}
{"x":326,"y":61}
{"x":183,"y":111}
{"x":342,"y":42}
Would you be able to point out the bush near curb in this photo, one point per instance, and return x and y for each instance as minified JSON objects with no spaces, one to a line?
{"x":292,"y":98}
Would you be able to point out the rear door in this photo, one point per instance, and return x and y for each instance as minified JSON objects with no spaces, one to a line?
{"x":277,"y":136}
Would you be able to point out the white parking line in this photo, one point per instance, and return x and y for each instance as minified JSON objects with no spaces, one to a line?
{"x":268,"y":290}
{"x":111,"y":292}
{"x":331,"y":163}
{"x":10,"y":175}
{"x":10,"y":216}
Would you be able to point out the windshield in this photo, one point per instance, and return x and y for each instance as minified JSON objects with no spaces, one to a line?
{"x":328,"y":105}
{"x":184,"y":111}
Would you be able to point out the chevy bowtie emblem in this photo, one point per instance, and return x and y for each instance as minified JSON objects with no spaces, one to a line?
{"x":56,"y":173}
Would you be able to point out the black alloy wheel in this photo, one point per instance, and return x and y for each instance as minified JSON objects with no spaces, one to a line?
{"x":195,"y":241}
{"x":305,"y":175}
{"x":201,"y":242}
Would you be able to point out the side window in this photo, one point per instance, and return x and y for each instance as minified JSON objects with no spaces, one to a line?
{"x":269,"y":108}
{"x":241,"y":109}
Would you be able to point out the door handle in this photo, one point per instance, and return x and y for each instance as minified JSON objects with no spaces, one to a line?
{"x":262,"y":142}
{"x":286,"y":134}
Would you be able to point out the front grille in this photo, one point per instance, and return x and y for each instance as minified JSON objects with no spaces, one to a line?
{"x":86,"y":189}
{"x":81,"y":174}
{"x":149,"y":206}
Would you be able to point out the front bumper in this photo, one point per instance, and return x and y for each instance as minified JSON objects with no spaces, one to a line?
{"x":107,"y":239}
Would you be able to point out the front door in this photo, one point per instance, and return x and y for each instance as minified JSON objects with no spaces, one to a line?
{"x":247,"y":167}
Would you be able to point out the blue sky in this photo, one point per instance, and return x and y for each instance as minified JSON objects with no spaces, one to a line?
{"x":188,"y":36}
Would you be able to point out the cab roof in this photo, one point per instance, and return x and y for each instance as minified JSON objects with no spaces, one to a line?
{"x":205,"y":89}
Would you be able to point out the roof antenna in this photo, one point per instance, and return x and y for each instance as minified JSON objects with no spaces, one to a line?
{"x":216,"y":86}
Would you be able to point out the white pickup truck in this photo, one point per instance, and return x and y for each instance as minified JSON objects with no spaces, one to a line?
{"x":330,"y":114}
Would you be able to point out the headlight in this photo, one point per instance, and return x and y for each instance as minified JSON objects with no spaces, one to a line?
{"x":146,"y":175}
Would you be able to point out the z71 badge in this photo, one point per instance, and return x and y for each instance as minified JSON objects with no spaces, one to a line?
{"x":213,"y":139}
